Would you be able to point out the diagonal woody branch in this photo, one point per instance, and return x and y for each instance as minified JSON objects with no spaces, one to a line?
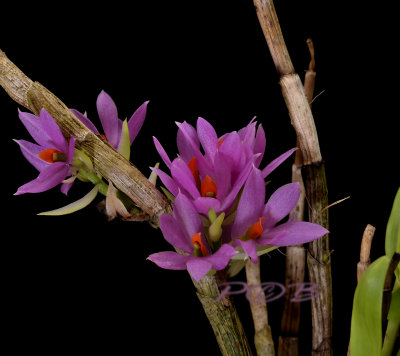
{"x":107,"y":161}
{"x":126,"y":177}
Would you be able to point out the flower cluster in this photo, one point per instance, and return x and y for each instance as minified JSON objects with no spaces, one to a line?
{"x":216,"y":183}
{"x":219,"y":210}
{"x":59,"y":161}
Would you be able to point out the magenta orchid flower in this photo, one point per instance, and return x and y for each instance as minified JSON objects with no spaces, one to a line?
{"x":51,"y":155}
{"x":184,"y":231}
{"x":256,"y":222}
{"x":112,"y":125}
{"x":213,"y":180}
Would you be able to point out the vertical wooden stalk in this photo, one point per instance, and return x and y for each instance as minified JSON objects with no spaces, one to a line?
{"x":313,"y":175}
{"x":296,"y":255}
{"x":262,"y":332}
{"x":223,"y":318}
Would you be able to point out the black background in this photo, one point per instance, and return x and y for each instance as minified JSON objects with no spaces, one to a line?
{"x":80,"y":284}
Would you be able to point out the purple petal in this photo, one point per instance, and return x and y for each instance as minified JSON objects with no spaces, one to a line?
{"x":198,"y":267}
{"x":204,"y":204}
{"x":277,"y":161}
{"x":162,"y":153}
{"x":250,"y":247}
{"x":182,"y":174}
{"x":247,"y":134}
{"x":221,"y":258}
{"x":236,"y":187}
{"x":30,"y":151}
{"x":185,"y":148}
{"x":173,"y":234}
{"x":292,"y":233}
{"x":33,"y":124}
{"x":136,"y":121}
{"x":85,"y":121}
{"x":169,"y":260}
{"x":222,"y":175}
{"x":251,"y":203}
{"x":53,"y":131}
{"x":281,"y":203}
{"x":186,"y":216}
{"x":169,"y":183}
{"x":71,"y":149}
{"x":259,"y":145}
{"x":203,"y":166}
{"x":108,"y":114}
{"x":231,"y":148}
{"x":48,"y":178}
{"x":208,"y":137}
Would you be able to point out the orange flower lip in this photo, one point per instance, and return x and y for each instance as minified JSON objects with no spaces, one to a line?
{"x":196,"y":240}
{"x":193,"y":168}
{"x":255,"y":230}
{"x":208,"y":188}
{"x":52,"y":155}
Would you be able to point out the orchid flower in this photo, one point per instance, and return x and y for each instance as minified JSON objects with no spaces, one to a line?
{"x":214,"y":180}
{"x":256,"y":223}
{"x":51,"y":155}
{"x":119,"y":134}
{"x":184,"y":231}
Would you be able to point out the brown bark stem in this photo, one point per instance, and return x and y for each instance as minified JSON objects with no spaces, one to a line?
{"x":127,"y":178}
{"x":296,"y":255}
{"x":262,"y":332}
{"x":314,"y":175}
{"x":365,"y":250}
{"x":223,"y":318}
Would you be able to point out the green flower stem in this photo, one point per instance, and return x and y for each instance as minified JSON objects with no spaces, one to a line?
{"x":95,"y":179}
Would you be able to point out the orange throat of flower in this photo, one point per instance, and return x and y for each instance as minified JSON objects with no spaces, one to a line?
{"x":52,"y":155}
{"x":199,"y":246}
{"x":208,"y":188}
{"x":254,"y":231}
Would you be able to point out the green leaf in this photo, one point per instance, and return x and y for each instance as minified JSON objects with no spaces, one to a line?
{"x":366,"y":320}
{"x":392,"y":241}
{"x":76,"y":205}
{"x":124,"y":146}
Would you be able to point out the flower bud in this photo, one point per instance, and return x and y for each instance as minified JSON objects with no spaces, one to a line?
{"x":212,"y":215}
{"x":215,"y":229}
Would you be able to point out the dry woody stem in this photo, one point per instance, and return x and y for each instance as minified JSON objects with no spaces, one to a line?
{"x":318,"y":258}
{"x":296,"y":255}
{"x":365,"y":250}
{"x":262,"y":332}
{"x":127,"y":178}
